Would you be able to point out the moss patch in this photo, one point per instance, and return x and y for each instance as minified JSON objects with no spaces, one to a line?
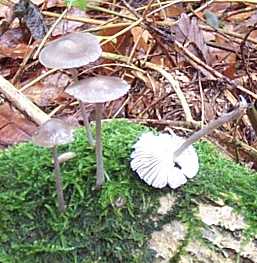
{"x":111,"y":225}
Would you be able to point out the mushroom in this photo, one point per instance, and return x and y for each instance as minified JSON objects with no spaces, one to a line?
{"x":50,"y":134}
{"x":69,"y":52}
{"x":99,"y":90}
{"x":153,"y":160}
{"x":167,"y":159}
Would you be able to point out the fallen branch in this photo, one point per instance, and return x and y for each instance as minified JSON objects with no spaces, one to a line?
{"x":21,"y":102}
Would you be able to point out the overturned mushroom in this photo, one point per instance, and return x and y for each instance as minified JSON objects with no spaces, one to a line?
{"x":52,"y":133}
{"x":99,"y":90}
{"x":167,"y":159}
{"x":153,"y":160}
{"x":69,"y":52}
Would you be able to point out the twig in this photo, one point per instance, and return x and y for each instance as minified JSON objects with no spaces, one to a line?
{"x":75,"y":18}
{"x":49,"y":32}
{"x":165,"y":74}
{"x":39,"y":78}
{"x":245,"y":63}
{"x":209,"y":71}
{"x":21,"y":102}
{"x":123,"y":31}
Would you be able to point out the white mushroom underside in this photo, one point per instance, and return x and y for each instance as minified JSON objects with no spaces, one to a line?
{"x":152,"y":159}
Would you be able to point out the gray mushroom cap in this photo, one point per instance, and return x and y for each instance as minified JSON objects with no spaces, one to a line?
{"x":52,"y":133}
{"x":71,"y":51}
{"x":98,"y":89}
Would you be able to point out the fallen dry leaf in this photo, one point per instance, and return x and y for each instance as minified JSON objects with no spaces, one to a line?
{"x":188,"y":30}
{"x":14,"y":127}
{"x":141,"y":37}
{"x":47,"y":91}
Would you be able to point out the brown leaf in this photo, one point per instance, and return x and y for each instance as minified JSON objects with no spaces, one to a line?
{"x":230,"y":71}
{"x":188,"y":31}
{"x":141,"y":37}
{"x":174,"y":10}
{"x":13,"y":43}
{"x":18,"y":52}
{"x":47,"y":91}
{"x":122,"y":42}
{"x":14,"y":127}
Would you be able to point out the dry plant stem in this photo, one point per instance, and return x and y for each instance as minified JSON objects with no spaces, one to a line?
{"x":209,"y":128}
{"x":23,"y":64}
{"x":58,"y":181}
{"x":49,"y":33}
{"x":164,"y":73}
{"x":99,"y":147}
{"x":39,"y":78}
{"x":86,"y":123}
{"x":207,"y":70}
{"x":123,"y":31}
{"x":74,"y":18}
{"x":21,"y":102}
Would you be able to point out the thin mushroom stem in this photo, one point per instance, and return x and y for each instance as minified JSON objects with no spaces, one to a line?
{"x":89,"y":135}
{"x":58,"y":181}
{"x":86,"y":123}
{"x":209,"y":128}
{"x":98,"y":146}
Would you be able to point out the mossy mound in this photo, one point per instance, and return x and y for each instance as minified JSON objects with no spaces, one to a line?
{"x":110,"y":225}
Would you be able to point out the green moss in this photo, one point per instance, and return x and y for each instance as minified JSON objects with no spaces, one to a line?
{"x":218,"y":178}
{"x":95,"y":228}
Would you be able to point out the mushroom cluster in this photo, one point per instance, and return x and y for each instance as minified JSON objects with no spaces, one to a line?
{"x":75,"y":50}
{"x":70,"y":52}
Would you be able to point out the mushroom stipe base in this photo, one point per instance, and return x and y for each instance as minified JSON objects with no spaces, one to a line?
{"x":106,"y":225}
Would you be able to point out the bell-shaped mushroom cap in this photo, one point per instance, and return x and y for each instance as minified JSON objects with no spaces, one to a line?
{"x":98,"y":89}
{"x":71,"y":51}
{"x":153,"y":160}
{"x":53,"y":132}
